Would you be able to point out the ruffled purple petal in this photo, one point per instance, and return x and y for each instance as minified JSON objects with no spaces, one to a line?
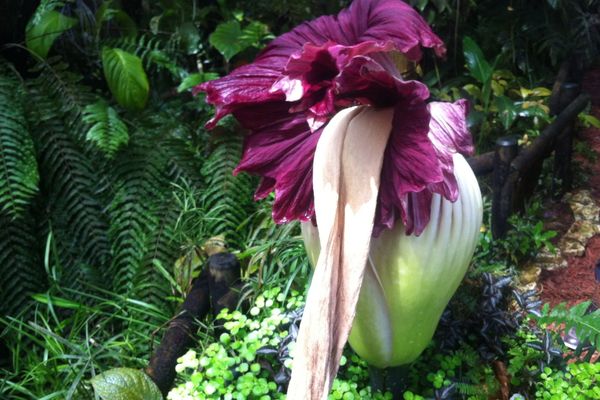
{"x":320,"y":77}
{"x":408,"y":196}
{"x":378,"y":21}
{"x":303,"y":77}
{"x":365,"y":81}
{"x":448,"y":129}
{"x":390,"y":20}
{"x":281,"y":150}
{"x":449,"y":134}
{"x":245,"y":86}
{"x":410,"y":164}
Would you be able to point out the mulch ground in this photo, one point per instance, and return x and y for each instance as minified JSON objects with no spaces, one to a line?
{"x":576,"y":283}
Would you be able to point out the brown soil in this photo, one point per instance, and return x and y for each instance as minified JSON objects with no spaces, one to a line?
{"x":576,"y":283}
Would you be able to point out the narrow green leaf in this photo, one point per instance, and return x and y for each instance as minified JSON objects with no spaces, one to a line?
{"x":125,"y":384}
{"x":56,"y":301}
{"x":126,"y":78}
{"x":227,"y":39}
{"x":477,"y":65}
{"x":41,"y":34}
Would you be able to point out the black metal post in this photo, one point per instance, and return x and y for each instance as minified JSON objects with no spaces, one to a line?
{"x":507,"y":149}
{"x":563,"y":149}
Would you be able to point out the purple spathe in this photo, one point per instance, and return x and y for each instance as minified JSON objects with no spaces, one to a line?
{"x":302,"y":78}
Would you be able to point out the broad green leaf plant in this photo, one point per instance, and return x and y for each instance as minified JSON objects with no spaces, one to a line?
{"x":44,"y":28}
{"x":126,"y":78}
{"x":125,"y":384}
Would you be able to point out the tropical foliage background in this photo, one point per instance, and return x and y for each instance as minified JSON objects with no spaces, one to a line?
{"x":110,"y":186}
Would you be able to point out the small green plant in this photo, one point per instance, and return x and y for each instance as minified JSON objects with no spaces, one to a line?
{"x":65,"y":342}
{"x":456,"y":374}
{"x":527,"y":358}
{"x":526,"y":237}
{"x":252,"y":357}
{"x":578,"y":381}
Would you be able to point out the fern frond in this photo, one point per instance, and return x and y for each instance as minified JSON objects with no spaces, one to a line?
{"x":70,"y":96}
{"x":227,"y":197}
{"x":138,"y":181}
{"x":469,"y":389}
{"x":131,"y":227}
{"x":162,"y":251}
{"x":587,"y":326}
{"x":183,"y":162}
{"x":107,"y":131}
{"x":276,"y":252}
{"x":68,"y":179}
{"x":18,"y":168}
{"x":21,"y":274}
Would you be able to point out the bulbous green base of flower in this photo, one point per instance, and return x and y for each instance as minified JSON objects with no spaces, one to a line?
{"x":409,"y":280}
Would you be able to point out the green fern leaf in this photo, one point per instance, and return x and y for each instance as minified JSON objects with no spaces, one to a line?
{"x":108,"y":132}
{"x":18,"y":168}
{"x":57,"y":81}
{"x":255,"y":34}
{"x":587,"y":326}
{"x":228,"y":198}
{"x":143,"y":217}
{"x":21,"y":274}
{"x":66,"y":172}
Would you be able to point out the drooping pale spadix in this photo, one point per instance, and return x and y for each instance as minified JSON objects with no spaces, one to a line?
{"x":396,"y":206}
{"x":408,"y":279}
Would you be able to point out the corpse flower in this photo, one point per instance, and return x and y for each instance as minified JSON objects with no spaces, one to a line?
{"x":352,"y":148}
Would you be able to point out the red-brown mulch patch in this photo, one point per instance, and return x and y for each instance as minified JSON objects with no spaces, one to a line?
{"x":591,"y":85}
{"x":576,"y":283}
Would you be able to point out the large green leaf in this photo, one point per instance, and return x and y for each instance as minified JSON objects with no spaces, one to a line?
{"x":106,"y":13}
{"x":195,"y":79}
{"x":125,"y":384}
{"x":45,"y":29}
{"x":227,"y":39}
{"x":126,"y":78}
{"x":478,"y":66}
{"x":507,"y":110}
{"x":189,"y":36}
